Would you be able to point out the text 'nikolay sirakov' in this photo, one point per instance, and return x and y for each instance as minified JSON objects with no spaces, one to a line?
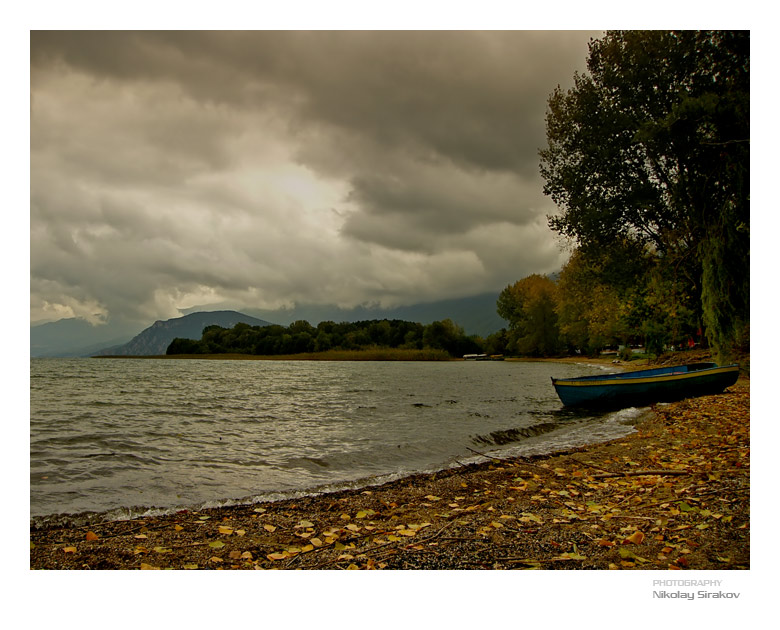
{"x":691,"y":595}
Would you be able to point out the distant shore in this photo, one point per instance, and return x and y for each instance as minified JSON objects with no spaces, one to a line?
{"x":380,"y":354}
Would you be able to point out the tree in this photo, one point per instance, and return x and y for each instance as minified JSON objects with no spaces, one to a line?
{"x":652,"y":145}
{"x":529,"y":307}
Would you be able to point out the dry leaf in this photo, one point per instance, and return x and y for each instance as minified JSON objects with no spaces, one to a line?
{"x":636,"y":538}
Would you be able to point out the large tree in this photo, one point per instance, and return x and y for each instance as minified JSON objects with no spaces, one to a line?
{"x":652,"y":145}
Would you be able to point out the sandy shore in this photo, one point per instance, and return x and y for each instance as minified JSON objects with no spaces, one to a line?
{"x":673,"y":495}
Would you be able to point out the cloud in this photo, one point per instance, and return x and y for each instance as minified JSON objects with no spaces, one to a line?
{"x":171,"y":169}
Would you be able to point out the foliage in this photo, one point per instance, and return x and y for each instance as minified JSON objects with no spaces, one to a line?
{"x":652,"y":146}
{"x":301,"y":337}
{"x":529,"y":307}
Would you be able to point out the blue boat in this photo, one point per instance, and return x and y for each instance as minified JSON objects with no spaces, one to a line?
{"x":644,"y":387}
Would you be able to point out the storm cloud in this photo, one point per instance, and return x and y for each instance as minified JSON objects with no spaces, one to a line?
{"x":261,"y":169}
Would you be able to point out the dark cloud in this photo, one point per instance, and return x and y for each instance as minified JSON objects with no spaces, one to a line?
{"x":271,"y":167}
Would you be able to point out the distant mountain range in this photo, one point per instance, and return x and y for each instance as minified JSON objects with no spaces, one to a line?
{"x":75,"y":337}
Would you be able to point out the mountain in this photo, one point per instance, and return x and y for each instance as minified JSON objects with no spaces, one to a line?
{"x":477,"y":314}
{"x":76,"y":337}
{"x":157,"y":338}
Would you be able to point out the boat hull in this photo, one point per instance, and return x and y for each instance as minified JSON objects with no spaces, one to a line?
{"x":644,"y":387}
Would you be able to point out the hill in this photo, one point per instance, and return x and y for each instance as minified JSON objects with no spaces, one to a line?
{"x":157,"y":338}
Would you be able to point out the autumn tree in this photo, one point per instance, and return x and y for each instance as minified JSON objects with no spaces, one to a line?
{"x":652,"y":145}
{"x":529,"y":307}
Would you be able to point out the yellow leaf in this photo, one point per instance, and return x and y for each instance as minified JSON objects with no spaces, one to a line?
{"x":352,"y":567}
{"x":178,"y":528}
{"x":69,"y":549}
{"x":316,"y":542}
{"x":269,"y":528}
{"x":216,"y":559}
{"x":240,"y":532}
{"x":217,"y":544}
{"x":307,"y":548}
{"x":277,"y":556}
{"x":225,"y":530}
{"x":92,"y":536}
{"x":190,"y":566}
{"x":162,"y":550}
{"x":148,"y":567}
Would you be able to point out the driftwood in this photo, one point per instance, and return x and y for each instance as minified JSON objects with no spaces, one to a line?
{"x":640,"y":473}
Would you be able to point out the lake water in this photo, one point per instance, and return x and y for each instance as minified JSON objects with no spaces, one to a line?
{"x":124,"y":437}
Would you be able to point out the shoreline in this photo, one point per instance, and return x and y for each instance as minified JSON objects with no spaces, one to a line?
{"x":672,"y":495}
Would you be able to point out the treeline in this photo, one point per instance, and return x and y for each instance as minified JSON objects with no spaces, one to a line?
{"x":588,"y":309}
{"x":301,"y":337}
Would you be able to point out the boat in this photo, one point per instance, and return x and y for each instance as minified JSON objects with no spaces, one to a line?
{"x":644,"y":387}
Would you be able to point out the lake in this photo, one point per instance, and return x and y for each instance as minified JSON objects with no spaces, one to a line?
{"x":127,"y":437}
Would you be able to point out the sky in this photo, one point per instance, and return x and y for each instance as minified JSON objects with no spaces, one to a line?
{"x":262,"y":169}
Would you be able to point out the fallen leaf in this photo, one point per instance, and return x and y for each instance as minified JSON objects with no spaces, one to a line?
{"x":69,"y":549}
{"x":217,"y":544}
{"x":92,"y":536}
{"x":225,"y":530}
{"x":636,"y":538}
